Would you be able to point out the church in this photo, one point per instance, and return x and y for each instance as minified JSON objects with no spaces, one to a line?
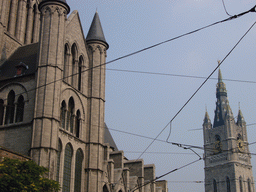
{"x":52,"y":99}
{"x":226,"y":149}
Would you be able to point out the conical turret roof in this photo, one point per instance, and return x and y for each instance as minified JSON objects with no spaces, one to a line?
{"x":95,"y":32}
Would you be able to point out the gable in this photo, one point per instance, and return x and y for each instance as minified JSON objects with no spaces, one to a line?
{"x":75,"y":34}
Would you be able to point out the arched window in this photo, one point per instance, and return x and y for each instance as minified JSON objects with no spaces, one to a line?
{"x":67,"y":168}
{"x":58,"y":160}
{"x":241,"y":184}
{"x":63,"y":114}
{"x":20,"y":109}
{"x":80,"y":64}
{"x":1,"y":111}
{"x":78,"y":117}
{"x":74,"y":67}
{"x":105,"y":189}
{"x":66,"y":62}
{"x":78,"y":170}
{"x":70,"y":115}
{"x":249,"y":185}
{"x":228,"y":184}
{"x":215,"y":185}
{"x":9,"y":117}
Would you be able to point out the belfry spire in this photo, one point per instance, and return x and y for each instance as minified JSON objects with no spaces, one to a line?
{"x":223,"y":109}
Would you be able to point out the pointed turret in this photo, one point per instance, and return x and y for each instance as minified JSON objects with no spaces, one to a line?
{"x":207,"y":118}
{"x":95,"y":32}
{"x":240,"y":118}
{"x":223,"y":109}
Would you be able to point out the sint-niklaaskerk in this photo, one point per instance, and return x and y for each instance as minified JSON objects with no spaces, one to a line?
{"x":52,"y":97}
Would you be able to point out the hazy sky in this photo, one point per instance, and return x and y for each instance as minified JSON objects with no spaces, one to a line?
{"x":144,"y":103}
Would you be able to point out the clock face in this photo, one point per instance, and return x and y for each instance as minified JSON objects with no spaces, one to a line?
{"x":217,"y":147}
{"x":240,"y":145}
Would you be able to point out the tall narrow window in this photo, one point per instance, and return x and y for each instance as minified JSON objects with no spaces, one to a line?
{"x":241,"y":184}
{"x":78,"y":117}
{"x":74,"y":67}
{"x":78,"y":170}
{"x":249,"y":185}
{"x":66,"y":63}
{"x":215,"y":186}
{"x":9,"y":117}
{"x":67,"y":168}
{"x":70,"y":115}
{"x":20,"y":109}
{"x":80,"y":64}
{"x":1,"y":111}
{"x":228,"y":184}
{"x":63,"y":114}
{"x":58,"y":160}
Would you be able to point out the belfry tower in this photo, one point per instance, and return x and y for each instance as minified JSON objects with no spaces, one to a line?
{"x":227,"y":157}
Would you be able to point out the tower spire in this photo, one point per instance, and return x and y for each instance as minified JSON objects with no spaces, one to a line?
{"x":223,"y":109}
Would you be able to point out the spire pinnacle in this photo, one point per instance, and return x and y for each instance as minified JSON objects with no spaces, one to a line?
{"x":95,"y":32}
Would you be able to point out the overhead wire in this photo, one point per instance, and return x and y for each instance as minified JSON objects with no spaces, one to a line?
{"x":225,"y":8}
{"x":176,"y":75}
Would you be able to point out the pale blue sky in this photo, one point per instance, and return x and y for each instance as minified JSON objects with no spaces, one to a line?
{"x":144,"y":104}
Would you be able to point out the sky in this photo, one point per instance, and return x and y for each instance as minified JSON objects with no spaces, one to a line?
{"x":144,"y":104}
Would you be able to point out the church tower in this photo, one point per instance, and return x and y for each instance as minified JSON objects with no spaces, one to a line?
{"x":48,"y":76}
{"x":227,"y":157}
{"x":97,"y":46}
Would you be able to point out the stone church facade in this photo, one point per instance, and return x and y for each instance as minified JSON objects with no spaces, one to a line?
{"x":52,"y":98}
{"x":227,"y":156}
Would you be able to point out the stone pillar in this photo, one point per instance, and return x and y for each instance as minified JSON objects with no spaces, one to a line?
{"x":12,"y":18}
{"x":3,"y":13}
{"x":21,"y":20}
{"x":50,"y":65}
{"x":36,"y":24}
{"x":29,"y":24}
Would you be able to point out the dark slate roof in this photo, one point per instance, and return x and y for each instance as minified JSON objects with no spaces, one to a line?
{"x":95,"y":31}
{"x":26,"y":56}
{"x":109,"y":139}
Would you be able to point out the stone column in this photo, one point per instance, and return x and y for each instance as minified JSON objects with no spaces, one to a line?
{"x":36,"y":24}
{"x":29,"y":24}
{"x":12,"y":18}
{"x":21,"y":20}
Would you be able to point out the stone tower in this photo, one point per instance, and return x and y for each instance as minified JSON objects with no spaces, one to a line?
{"x":97,"y":46}
{"x":227,"y":157}
{"x":49,"y":73}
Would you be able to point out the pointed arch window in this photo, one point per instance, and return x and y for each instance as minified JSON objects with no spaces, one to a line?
{"x":228,"y":184}
{"x":241,"y":184}
{"x":74,"y":63}
{"x":63,"y":110}
{"x":215,"y":186}
{"x":78,"y":170}
{"x":58,"y":160}
{"x":80,"y":64}
{"x":1,"y":111}
{"x":67,"y":168}
{"x":78,"y":120}
{"x":105,"y":189}
{"x":249,"y":185}
{"x":9,"y":116}
{"x":70,"y":115}
{"x":66,"y":62}
{"x":20,"y":109}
